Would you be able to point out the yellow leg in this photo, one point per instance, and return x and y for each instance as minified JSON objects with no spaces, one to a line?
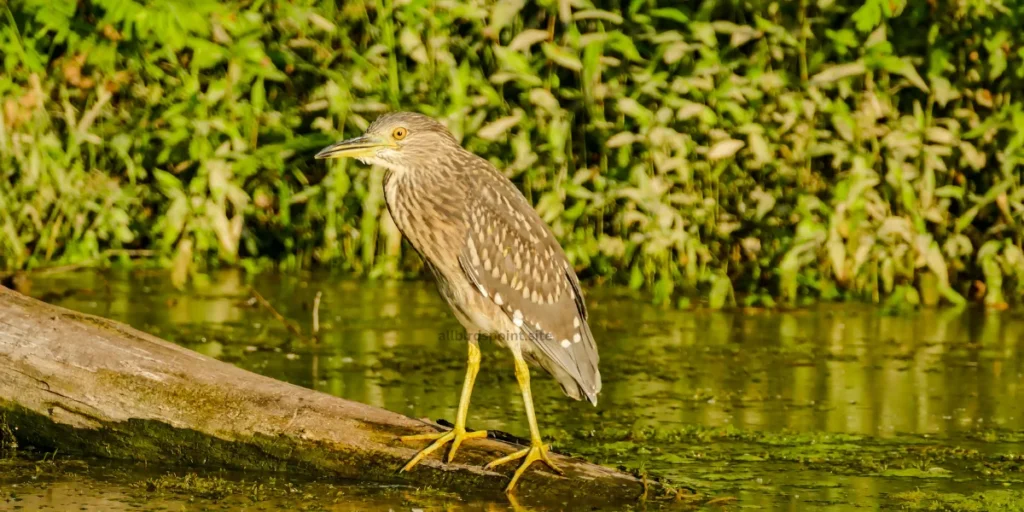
{"x":537,"y":451}
{"x":457,"y":434}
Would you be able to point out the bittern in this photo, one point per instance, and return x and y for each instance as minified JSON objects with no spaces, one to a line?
{"x":496,"y":263}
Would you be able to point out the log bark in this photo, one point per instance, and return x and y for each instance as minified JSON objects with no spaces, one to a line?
{"x":91,"y":386}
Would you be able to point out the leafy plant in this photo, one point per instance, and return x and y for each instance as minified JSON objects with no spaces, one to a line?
{"x":771,"y":150}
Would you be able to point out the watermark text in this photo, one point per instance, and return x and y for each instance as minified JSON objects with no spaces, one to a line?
{"x":462,"y":335}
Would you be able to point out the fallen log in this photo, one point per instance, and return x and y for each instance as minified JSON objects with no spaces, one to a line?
{"x":91,"y":386}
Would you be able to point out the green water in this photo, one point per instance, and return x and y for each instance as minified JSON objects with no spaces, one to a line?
{"x":836,"y":408}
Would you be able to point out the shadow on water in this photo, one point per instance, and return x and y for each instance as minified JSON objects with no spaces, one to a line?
{"x":831,"y":408}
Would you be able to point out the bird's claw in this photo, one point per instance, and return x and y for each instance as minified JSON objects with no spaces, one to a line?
{"x":536,"y":452}
{"x":455,"y":435}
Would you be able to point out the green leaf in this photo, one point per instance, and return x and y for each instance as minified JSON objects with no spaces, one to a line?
{"x":624,"y":45}
{"x":669,"y":13}
{"x":725,"y":149}
{"x":836,"y":73}
{"x":868,"y":16}
{"x":503,"y":13}
{"x":904,"y":68}
{"x":527,"y":38}
{"x":704,"y":33}
{"x":168,"y":182}
{"x":498,"y":128}
{"x":721,"y":293}
{"x":759,"y":148}
{"x":943,"y":90}
{"x":620,"y":139}
{"x":663,"y":290}
{"x":258,"y":95}
{"x":206,"y":54}
{"x":996,"y":64}
{"x":563,"y":57}
{"x":518,"y":64}
{"x":597,"y":14}
{"x":844,"y":38}
{"x":636,"y":278}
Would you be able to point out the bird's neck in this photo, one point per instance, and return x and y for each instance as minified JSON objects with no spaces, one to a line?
{"x":424,"y":204}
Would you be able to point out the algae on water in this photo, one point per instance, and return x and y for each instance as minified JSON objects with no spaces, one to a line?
{"x":986,"y":501}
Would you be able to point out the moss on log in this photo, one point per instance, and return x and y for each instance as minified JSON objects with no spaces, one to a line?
{"x":90,"y":386}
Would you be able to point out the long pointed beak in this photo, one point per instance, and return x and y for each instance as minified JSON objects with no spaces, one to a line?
{"x":367,"y":145}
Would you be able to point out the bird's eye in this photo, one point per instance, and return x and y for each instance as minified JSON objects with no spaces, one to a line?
{"x":399,"y":133}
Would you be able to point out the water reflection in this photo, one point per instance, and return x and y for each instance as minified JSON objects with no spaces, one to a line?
{"x":842,"y":369}
{"x":108,"y":489}
{"x":835,"y":368}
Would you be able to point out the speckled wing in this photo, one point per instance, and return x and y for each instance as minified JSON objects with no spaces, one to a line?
{"x":515,"y":261}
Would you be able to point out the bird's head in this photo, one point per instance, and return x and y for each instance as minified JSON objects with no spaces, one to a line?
{"x":396,"y":140}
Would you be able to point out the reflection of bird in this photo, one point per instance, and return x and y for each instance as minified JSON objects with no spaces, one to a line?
{"x":496,"y":263}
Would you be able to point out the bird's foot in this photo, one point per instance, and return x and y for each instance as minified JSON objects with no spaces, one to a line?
{"x":455,"y":435}
{"x":536,"y":452}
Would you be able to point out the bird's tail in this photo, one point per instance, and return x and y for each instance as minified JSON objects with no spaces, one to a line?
{"x":585,"y":381}
{"x":590,"y":382}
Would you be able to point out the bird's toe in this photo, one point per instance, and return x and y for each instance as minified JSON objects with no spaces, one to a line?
{"x":455,"y":436}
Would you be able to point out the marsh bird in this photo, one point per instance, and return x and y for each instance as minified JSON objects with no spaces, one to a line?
{"x":496,"y":263}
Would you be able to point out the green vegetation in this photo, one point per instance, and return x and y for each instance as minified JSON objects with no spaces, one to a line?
{"x":721,"y":460}
{"x":673,"y":453}
{"x":201,"y":486}
{"x":8,"y":444}
{"x":779,"y":150}
{"x":1009,"y":501}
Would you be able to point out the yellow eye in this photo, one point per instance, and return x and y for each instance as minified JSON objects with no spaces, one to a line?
{"x":399,"y":133}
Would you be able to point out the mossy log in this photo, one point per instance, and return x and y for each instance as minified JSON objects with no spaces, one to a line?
{"x":85,"y":385}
